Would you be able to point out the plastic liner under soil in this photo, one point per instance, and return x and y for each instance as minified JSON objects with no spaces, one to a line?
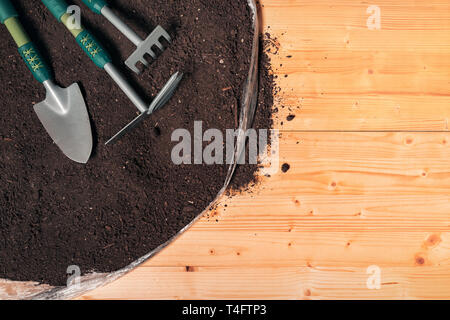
{"x":15,"y":290}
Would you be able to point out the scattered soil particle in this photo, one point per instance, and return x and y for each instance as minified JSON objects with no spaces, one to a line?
{"x":285,"y":167}
{"x":290,"y":117}
{"x":130,"y":198}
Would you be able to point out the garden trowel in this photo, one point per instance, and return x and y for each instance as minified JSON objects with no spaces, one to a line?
{"x":63,"y":113}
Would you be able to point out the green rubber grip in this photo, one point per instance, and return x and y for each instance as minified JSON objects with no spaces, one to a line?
{"x":57,"y":7}
{"x":93,"y":49}
{"x":7,"y":10}
{"x":34,"y":62}
{"x":27,"y":50}
{"x":84,"y":38}
{"x":95,"y":5}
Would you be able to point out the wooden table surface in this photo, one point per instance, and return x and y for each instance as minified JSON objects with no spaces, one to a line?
{"x":369,"y":185}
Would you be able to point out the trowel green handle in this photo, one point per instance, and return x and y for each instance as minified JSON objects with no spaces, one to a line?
{"x":84,"y":38}
{"x":95,"y":5}
{"x":27,"y":50}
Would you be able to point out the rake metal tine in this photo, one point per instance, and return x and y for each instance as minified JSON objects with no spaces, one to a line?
{"x":132,"y":66}
{"x":151,"y":53}
{"x":143,"y":61}
{"x":163,"y":33}
{"x":159,"y":45}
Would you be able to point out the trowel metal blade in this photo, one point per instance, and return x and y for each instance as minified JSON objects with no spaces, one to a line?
{"x":64,"y":115}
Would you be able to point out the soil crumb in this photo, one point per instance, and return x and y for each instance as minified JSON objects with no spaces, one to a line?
{"x":285,"y":167}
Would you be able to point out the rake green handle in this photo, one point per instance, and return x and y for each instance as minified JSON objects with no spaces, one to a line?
{"x":57,"y":7}
{"x":95,"y":5}
{"x":84,"y":38}
{"x":27,"y":50}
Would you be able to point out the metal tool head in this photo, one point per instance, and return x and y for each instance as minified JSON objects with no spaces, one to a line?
{"x":146,"y":47}
{"x":166,"y":92}
{"x":160,"y":100}
{"x":64,"y":115}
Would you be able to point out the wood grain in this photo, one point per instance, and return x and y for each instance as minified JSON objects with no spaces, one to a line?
{"x":369,"y":182}
{"x":343,"y":76}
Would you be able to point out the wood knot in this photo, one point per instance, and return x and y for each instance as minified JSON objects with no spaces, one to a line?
{"x":333,"y":186}
{"x":433,"y":240}
{"x":420,"y":261}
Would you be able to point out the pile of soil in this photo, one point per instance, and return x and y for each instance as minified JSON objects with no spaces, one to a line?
{"x":130,"y":198}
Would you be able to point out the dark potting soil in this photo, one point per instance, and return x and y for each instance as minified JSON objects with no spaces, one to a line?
{"x":130,"y":198}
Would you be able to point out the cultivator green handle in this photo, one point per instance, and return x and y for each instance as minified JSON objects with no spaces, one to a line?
{"x":84,"y":38}
{"x":27,"y":50}
{"x":95,"y":5}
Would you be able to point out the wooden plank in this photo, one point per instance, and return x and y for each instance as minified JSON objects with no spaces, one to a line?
{"x":330,"y":213}
{"x":276,"y":283}
{"x":215,"y":247}
{"x":362,"y":112}
{"x":343,"y":76}
{"x":347,"y":73}
{"x":363,"y":163}
{"x":405,"y":26}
